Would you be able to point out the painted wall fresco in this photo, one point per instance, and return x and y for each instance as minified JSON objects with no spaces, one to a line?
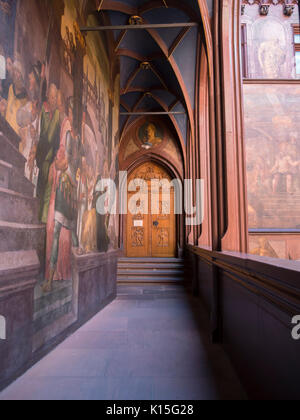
{"x":276,"y":245}
{"x":61,"y":96}
{"x":272,"y":131}
{"x":272,"y":124}
{"x":270,"y":43}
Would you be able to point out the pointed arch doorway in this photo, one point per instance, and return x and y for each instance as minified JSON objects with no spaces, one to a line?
{"x":151,"y":235}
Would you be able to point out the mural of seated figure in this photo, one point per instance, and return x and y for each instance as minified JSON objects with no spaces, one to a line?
{"x":283,"y":171}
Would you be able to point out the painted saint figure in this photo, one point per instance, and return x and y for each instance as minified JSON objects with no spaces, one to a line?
{"x":283,"y":169}
{"x":28,"y":121}
{"x":47,"y":148}
{"x":271,"y":57}
{"x":67,"y":163}
{"x":151,"y":135}
{"x":63,"y":266}
{"x":17,"y":96}
{"x":89,"y":219}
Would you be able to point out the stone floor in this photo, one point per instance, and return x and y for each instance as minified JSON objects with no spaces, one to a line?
{"x":150,"y":343}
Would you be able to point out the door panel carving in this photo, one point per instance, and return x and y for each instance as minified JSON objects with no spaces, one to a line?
{"x":152,"y":235}
{"x":137,"y":237}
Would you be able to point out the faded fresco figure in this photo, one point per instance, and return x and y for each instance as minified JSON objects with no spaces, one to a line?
{"x":17,"y":96}
{"x":149,"y":133}
{"x":3,"y":107}
{"x":271,"y":57}
{"x":283,"y":171}
{"x":63,"y":267}
{"x":89,"y":218}
{"x":67,"y":163}
{"x":293,"y":151}
{"x":270,"y":46}
{"x":69,"y":50}
{"x":82,"y":195}
{"x":47,"y":148}
{"x":61,"y":106}
{"x":28,"y":121}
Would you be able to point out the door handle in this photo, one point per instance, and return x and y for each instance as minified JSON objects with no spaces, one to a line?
{"x":155,"y":224}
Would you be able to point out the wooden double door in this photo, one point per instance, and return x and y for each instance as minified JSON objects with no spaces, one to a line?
{"x":151,"y":235}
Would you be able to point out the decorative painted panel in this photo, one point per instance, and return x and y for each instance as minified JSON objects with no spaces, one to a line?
{"x":272,"y":123}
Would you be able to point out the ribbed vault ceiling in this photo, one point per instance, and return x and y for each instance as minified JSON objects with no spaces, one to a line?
{"x":167,"y":83}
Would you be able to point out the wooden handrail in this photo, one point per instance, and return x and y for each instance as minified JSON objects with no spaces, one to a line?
{"x":281,"y":293}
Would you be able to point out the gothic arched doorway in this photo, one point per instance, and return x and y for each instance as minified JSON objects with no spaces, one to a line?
{"x":152,"y":234}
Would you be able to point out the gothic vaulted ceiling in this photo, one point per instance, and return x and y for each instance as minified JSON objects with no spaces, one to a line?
{"x":158,"y":66}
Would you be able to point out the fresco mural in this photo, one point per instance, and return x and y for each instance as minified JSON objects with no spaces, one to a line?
{"x":272,"y":122}
{"x":64,"y":105}
{"x":272,"y":131}
{"x":269,"y":40}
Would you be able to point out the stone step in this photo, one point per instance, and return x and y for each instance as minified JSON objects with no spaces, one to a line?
{"x":17,"y":237}
{"x":151,"y":260}
{"x":11,"y":179}
{"x":18,"y":208}
{"x":10,"y":154}
{"x":150,"y":270}
{"x":150,"y":266}
{"x":149,"y":273}
{"x":150,"y":280}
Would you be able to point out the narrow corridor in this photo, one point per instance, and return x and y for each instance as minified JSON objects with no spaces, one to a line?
{"x":151,"y":343}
